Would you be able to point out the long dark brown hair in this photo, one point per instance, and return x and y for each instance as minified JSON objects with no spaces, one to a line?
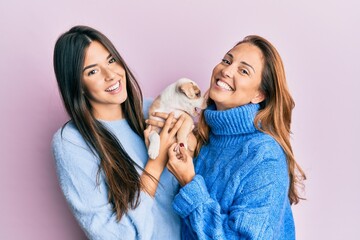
{"x":122,"y":178}
{"x":275,"y":111}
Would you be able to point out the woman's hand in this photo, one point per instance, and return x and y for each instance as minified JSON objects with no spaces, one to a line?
{"x":181,"y":164}
{"x":146,"y":135}
{"x":167,"y":135}
{"x":191,"y":139}
{"x":155,"y":167}
{"x":158,"y":123}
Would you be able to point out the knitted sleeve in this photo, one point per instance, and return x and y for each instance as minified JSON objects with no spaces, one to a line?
{"x":77,"y":170}
{"x":256,"y":212}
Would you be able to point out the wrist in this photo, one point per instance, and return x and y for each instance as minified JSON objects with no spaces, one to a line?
{"x":154,"y":169}
{"x":187,"y":179}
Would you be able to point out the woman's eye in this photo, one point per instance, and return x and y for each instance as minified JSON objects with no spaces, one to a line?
{"x":92,"y":72}
{"x":244,"y":71}
{"x":112,"y":60}
{"x":225,"y":61}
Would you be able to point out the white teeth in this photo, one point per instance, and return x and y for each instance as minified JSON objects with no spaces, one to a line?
{"x":114,"y":87}
{"x":224,"y":85}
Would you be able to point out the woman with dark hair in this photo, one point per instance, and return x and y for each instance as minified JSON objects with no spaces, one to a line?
{"x":101,"y":157}
{"x":245,"y":176}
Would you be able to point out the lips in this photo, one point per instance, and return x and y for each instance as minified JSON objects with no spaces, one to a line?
{"x":224,"y":85}
{"x":113,"y":87}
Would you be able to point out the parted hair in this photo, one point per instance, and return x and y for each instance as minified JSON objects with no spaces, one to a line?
{"x":122,"y":178}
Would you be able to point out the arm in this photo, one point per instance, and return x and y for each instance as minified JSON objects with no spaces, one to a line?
{"x":155,"y":167}
{"x":256,"y":211}
{"x":77,"y":170}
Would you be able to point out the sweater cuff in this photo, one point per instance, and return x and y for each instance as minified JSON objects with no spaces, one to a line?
{"x":191,"y":196}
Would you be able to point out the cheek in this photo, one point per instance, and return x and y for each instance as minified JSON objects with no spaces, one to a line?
{"x":216,"y":70}
{"x":214,"y":76}
{"x":93,"y":88}
{"x":120,"y":70}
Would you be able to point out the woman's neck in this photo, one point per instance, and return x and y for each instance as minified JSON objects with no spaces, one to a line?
{"x":108,"y":113}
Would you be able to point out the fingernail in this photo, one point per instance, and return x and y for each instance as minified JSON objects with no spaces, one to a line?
{"x":181,"y":145}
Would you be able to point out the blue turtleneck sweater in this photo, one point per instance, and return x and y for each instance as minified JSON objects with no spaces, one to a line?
{"x":240,"y":190}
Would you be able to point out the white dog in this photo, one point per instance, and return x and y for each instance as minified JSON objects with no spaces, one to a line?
{"x":181,"y":97}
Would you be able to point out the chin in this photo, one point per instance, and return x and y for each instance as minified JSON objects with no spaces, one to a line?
{"x":216,"y":97}
{"x":122,"y":99}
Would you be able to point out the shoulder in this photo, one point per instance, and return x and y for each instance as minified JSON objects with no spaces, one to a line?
{"x":68,"y":134}
{"x":266,"y":145}
{"x":71,"y":153}
{"x":265,"y":155}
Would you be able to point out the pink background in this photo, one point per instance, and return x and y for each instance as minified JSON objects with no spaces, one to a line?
{"x":163,"y":41}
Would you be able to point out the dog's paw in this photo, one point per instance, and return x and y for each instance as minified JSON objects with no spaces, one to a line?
{"x":154,"y":146}
{"x":153,"y":154}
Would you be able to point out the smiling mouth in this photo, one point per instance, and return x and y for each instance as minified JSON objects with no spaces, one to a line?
{"x":113,"y":87}
{"x":224,"y":85}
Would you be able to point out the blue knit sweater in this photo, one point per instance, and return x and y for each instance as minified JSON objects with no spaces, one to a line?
{"x":240,"y":190}
{"x":77,"y":169}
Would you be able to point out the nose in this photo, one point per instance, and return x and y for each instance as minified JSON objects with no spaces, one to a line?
{"x":228,"y":71}
{"x":109,"y":74}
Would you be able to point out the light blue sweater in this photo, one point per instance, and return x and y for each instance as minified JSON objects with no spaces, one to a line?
{"x":240,"y":190}
{"x":77,"y":169}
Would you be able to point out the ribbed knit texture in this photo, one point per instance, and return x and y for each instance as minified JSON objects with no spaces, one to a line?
{"x":240,"y":190}
{"x":77,"y":169}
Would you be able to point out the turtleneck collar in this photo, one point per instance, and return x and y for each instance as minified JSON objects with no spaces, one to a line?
{"x":229,"y":124}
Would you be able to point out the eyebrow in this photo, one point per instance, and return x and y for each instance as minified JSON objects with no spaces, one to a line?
{"x":245,"y":63}
{"x":90,"y":66}
{"x":93,"y":65}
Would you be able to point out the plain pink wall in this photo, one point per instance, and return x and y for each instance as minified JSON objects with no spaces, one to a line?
{"x":162,"y":41}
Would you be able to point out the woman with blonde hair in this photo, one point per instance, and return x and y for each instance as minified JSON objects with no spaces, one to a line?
{"x":245,"y":176}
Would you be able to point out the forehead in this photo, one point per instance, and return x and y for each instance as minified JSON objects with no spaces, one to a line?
{"x":248,"y":53}
{"x":95,"y":52}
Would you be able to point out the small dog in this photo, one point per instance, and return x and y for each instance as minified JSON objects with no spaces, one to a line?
{"x":181,"y":97}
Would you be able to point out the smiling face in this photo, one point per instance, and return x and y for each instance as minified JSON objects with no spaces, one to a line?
{"x":104,"y":80}
{"x":236,"y":80}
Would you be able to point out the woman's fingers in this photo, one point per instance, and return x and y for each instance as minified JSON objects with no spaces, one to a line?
{"x":180,"y":164}
{"x":146,"y":135}
{"x":157,"y":122}
{"x":147,"y":131}
{"x":184,"y":153}
{"x":172,"y":149}
{"x":177,"y":126}
{"x":168,"y":122}
{"x":162,"y":115}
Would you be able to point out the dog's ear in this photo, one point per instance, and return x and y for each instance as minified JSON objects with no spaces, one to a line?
{"x":189,"y":90}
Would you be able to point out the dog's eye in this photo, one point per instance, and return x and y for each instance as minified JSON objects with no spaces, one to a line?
{"x":198,"y":94}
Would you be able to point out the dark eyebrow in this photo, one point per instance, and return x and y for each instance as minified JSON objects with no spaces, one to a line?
{"x":90,"y":66}
{"x":245,"y":63}
{"x":93,"y":65}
